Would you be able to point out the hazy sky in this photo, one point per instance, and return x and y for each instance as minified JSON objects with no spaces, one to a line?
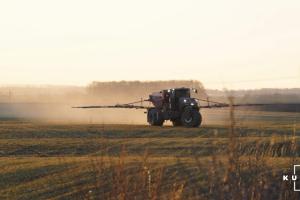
{"x":234,"y":44}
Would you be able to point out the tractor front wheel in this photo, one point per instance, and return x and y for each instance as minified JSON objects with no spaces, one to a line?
{"x":191,"y":117}
{"x":155,"y":117}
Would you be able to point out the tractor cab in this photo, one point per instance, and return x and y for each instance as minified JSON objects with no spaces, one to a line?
{"x":176,"y":95}
{"x":177,"y":98}
{"x":181,"y":92}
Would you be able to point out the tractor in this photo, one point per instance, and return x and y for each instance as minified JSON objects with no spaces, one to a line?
{"x":175,"y":105}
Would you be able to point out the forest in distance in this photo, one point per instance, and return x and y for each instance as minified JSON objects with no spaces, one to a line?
{"x":115,"y":91}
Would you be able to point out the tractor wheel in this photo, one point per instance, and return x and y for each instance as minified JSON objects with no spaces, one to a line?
{"x":176,"y":122}
{"x":191,"y":117}
{"x":155,"y":117}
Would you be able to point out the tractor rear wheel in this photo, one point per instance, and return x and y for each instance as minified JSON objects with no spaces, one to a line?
{"x":155,"y":117}
{"x":191,"y":117}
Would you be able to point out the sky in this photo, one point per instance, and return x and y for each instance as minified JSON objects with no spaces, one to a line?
{"x":230,"y":44}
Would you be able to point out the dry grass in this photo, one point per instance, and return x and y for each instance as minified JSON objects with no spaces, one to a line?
{"x":60,"y":161}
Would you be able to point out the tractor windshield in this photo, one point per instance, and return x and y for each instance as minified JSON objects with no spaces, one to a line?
{"x":183,"y":93}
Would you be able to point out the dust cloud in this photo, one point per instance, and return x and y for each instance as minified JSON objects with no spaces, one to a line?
{"x":54,"y":103}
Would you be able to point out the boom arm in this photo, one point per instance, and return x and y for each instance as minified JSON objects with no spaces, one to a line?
{"x":127,"y":105}
{"x":224,"y":105}
{"x":114,"y":106}
{"x":214,"y":105}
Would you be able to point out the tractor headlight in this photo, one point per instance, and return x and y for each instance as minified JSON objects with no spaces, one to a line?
{"x":192,"y":104}
{"x":184,"y":100}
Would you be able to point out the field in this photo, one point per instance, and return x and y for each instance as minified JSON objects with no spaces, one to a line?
{"x":95,"y":161}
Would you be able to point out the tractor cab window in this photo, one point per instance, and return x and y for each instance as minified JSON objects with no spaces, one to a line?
{"x":182,"y":93}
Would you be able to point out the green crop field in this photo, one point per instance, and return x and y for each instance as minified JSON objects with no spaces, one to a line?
{"x":94,"y":161}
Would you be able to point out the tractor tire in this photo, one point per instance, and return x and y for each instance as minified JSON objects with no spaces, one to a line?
{"x":191,"y":117}
{"x":155,"y":117}
{"x":176,"y":122}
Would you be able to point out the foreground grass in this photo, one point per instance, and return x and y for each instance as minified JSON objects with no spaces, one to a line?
{"x":61,"y":161}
